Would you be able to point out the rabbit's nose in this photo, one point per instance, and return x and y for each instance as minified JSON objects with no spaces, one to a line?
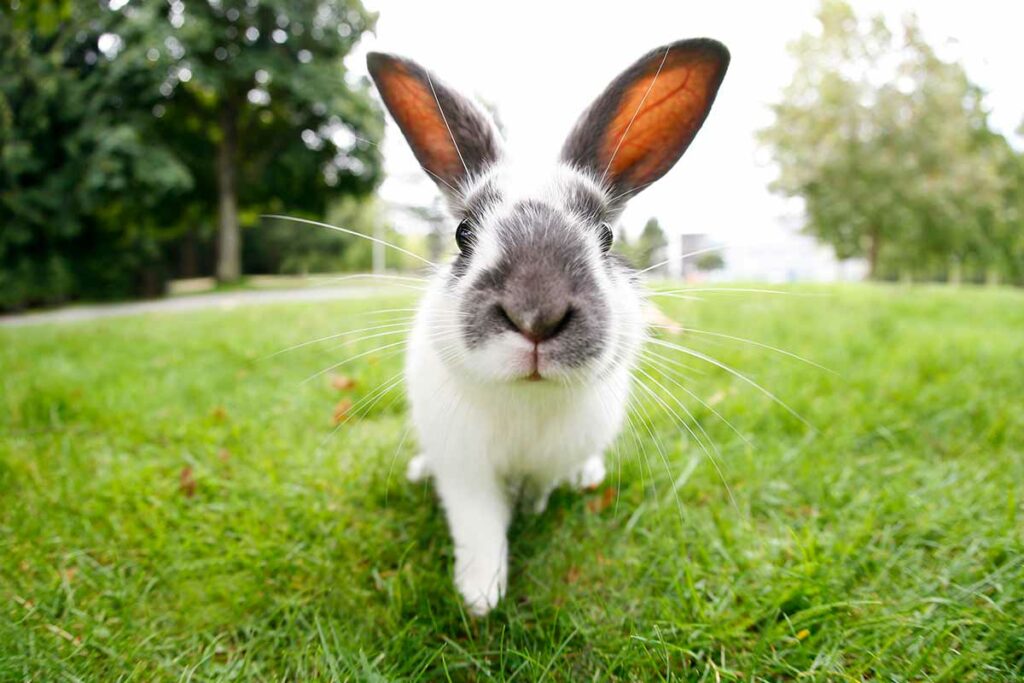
{"x":537,"y":324}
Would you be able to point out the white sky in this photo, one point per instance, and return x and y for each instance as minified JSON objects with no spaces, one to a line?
{"x":541,"y":63}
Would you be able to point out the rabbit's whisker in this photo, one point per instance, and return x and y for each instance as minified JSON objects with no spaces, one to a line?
{"x":404,"y":329}
{"x":684,"y":256}
{"x":444,"y":182}
{"x":684,"y":370}
{"x":367,"y":403}
{"x":673,"y":295}
{"x":725,"y":290}
{"x":392,"y":383}
{"x":680,"y":420}
{"x":353,"y":233}
{"x":632,"y":409}
{"x":647,"y":422}
{"x":401,"y":324}
{"x":667,"y":373}
{"x":353,"y":358}
{"x":375,"y":276}
{"x":732,"y":371}
{"x":761,"y":345}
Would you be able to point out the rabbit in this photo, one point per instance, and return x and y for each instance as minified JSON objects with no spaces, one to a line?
{"x":519,"y":363}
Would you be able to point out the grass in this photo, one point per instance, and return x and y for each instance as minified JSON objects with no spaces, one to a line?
{"x":173,"y":506}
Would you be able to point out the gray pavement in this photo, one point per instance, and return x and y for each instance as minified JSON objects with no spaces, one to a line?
{"x":182,"y":304}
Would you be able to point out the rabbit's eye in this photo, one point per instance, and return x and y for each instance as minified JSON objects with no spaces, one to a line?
{"x":606,"y":237}
{"x":464,"y":237}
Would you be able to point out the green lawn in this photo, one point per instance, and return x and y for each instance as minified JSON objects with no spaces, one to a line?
{"x":176,"y":505}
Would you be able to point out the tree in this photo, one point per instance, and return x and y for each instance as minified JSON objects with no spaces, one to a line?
{"x":85,"y":189}
{"x":651,"y":243}
{"x":888,"y":145}
{"x":261,"y":88}
{"x":709,"y":261}
{"x":278,"y":247}
{"x":112,"y":117}
{"x":648,"y":247}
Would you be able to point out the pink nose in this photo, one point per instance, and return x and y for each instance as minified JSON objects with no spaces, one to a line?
{"x":538,"y":325}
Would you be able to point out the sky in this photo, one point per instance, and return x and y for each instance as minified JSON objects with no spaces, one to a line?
{"x":542,"y":63}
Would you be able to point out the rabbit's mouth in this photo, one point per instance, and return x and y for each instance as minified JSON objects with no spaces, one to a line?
{"x":535,"y":361}
{"x":509,"y":356}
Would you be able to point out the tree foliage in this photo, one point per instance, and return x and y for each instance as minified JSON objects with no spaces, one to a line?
{"x":260,"y":87}
{"x":113,"y":119}
{"x":83,"y":182}
{"x":890,"y":149}
{"x":709,"y":261}
{"x":648,"y":248}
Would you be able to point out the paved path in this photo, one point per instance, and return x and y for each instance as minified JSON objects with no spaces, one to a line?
{"x":181,"y":304}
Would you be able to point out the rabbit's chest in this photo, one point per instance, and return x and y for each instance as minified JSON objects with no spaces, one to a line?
{"x":545,"y":440}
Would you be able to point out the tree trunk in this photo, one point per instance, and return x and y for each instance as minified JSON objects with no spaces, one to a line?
{"x":188,"y":264}
{"x":956,"y":272}
{"x":379,"y":257}
{"x":229,"y":238}
{"x":873,"y":247}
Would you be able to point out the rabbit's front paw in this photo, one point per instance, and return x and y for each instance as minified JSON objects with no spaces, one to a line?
{"x":418,"y":469}
{"x":481,"y":582}
{"x":590,"y":474}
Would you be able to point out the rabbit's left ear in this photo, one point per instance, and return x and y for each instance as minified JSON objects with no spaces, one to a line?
{"x":450,"y":136}
{"x":646,"y":118}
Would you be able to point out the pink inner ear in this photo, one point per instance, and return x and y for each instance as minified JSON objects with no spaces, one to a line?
{"x":414,"y":107}
{"x":658,"y":116}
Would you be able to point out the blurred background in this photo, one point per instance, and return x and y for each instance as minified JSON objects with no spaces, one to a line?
{"x":142,"y":141}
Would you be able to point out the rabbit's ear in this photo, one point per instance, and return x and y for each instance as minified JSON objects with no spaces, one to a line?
{"x":451,"y":138}
{"x":644,"y":121}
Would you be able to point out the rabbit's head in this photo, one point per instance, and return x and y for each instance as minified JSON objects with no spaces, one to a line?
{"x":535,"y":292}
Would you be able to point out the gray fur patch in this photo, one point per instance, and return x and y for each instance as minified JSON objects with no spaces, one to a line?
{"x":542,"y":273}
{"x":475,"y":204}
{"x":479,"y":199}
{"x":583,"y":200}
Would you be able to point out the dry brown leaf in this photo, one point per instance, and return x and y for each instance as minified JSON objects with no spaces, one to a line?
{"x":341,"y":410}
{"x":573,"y":575}
{"x":58,"y":631}
{"x":342,"y":382}
{"x":187,"y":481}
{"x":716,"y":398}
{"x":657,"y":318}
{"x":604,"y":501}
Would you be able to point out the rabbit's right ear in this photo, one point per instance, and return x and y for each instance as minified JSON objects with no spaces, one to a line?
{"x":645,"y":119}
{"x":451,"y":138}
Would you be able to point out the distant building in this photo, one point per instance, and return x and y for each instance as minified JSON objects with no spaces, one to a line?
{"x":691,"y":247}
{"x":798,"y":258}
{"x":781,"y":256}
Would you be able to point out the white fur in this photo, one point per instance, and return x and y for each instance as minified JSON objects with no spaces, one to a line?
{"x":485,"y":432}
